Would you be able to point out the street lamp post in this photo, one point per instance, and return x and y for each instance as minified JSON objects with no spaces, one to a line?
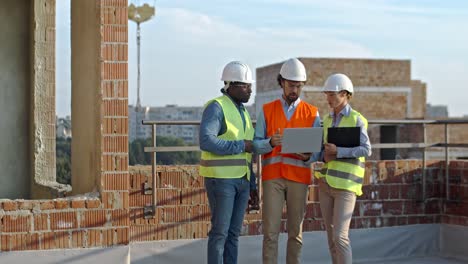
{"x":139,"y":14}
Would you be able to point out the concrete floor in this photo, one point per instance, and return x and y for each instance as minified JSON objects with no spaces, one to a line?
{"x":420,"y":260}
{"x":417,"y":244}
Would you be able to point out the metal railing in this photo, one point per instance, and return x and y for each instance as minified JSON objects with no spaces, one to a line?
{"x":419,"y":145}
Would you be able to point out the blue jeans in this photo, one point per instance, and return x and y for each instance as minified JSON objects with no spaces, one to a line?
{"x":228,"y":201}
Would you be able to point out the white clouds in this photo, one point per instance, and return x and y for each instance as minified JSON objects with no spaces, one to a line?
{"x":188,"y":42}
{"x":62,"y":58}
{"x":189,"y":49}
{"x":447,"y":82}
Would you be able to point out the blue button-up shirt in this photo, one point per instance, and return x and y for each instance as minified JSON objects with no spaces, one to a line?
{"x":364,"y":150}
{"x":212,"y":125}
{"x":262,"y":143}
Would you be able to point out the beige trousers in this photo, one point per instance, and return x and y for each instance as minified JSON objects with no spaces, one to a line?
{"x":275,"y":193}
{"x":337,"y":208}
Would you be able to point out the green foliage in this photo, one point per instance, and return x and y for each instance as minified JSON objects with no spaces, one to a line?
{"x":138,"y":156}
{"x":63,"y":160}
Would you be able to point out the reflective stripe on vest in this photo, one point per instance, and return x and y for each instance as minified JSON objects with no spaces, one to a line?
{"x":344,"y":173}
{"x":285,"y":160}
{"x":288,"y":166}
{"x":353,"y":168}
{"x":229,"y":166}
{"x":221,"y":163}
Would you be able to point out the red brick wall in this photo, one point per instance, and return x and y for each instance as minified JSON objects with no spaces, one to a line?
{"x":392,"y":196}
{"x":182,"y":210}
{"x":114,"y":90}
{"x":83,"y":221}
{"x":455,"y":210}
{"x":110,"y":221}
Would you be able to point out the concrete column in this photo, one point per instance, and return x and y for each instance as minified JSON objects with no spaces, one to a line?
{"x":42,"y":131}
{"x":86,"y":96}
{"x":15,"y":88}
{"x":100,"y":99}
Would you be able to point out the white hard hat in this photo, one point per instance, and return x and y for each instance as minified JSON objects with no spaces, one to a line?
{"x":236,"y":71}
{"x":338,"y":82}
{"x":293,"y":70}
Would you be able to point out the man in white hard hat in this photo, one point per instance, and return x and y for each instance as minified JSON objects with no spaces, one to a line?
{"x":285,"y":177}
{"x":341,"y":177}
{"x":226,"y":134}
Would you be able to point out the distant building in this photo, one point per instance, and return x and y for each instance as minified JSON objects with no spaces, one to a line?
{"x":436,"y":111}
{"x":63,"y":127}
{"x":189,"y":133}
{"x":167,"y":113}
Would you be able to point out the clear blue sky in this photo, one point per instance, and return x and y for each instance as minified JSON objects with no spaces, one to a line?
{"x":186,"y":45}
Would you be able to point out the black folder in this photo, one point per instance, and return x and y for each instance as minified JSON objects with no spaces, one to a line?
{"x":345,"y":137}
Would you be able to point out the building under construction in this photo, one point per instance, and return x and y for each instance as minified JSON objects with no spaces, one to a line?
{"x":412,"y":211}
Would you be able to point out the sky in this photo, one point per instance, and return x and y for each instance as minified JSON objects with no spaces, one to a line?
{"x":186,"y":45}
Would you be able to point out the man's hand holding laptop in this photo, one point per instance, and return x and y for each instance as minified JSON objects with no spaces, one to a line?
{"x":276,"y":139}
{"x":304,"y":156}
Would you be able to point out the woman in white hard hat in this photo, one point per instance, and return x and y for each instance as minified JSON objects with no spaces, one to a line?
{"x":340,"y":179}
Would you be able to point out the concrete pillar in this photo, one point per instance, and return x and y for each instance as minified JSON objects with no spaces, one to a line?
{"x":86,"y":95}
{"x":99,"y":98}
{"x":42,"y":130}
{"x":15,"y":88}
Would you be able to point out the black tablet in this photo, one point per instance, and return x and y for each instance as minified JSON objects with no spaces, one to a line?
{"x":345,"y":137}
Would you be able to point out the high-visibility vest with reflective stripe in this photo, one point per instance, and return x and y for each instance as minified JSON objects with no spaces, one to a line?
{"x":229,"y":166}
{"x":275,"y":164}
{"x":344,"y":173}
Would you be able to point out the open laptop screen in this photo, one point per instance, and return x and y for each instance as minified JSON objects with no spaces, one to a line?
{"x":302,"y":140}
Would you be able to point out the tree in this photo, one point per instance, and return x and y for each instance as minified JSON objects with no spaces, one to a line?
{"x":138,"y":156}
{"x":63,"y":160}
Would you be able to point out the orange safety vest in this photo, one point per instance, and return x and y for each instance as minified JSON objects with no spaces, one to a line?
{"x":275,"y":164}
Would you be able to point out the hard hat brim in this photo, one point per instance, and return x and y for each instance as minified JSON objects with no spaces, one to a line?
{"x":295,"y":79}
{"x":243,"y":81}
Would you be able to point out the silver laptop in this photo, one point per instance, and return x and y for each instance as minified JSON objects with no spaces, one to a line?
{"x":302,"y":140}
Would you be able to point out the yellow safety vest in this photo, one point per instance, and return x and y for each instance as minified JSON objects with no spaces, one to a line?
{"x":344,"y":173}
{"x":229,"y":166}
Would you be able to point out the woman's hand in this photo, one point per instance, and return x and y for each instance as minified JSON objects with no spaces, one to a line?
{"x":330,"y":148}
{"x":329,"y":152}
